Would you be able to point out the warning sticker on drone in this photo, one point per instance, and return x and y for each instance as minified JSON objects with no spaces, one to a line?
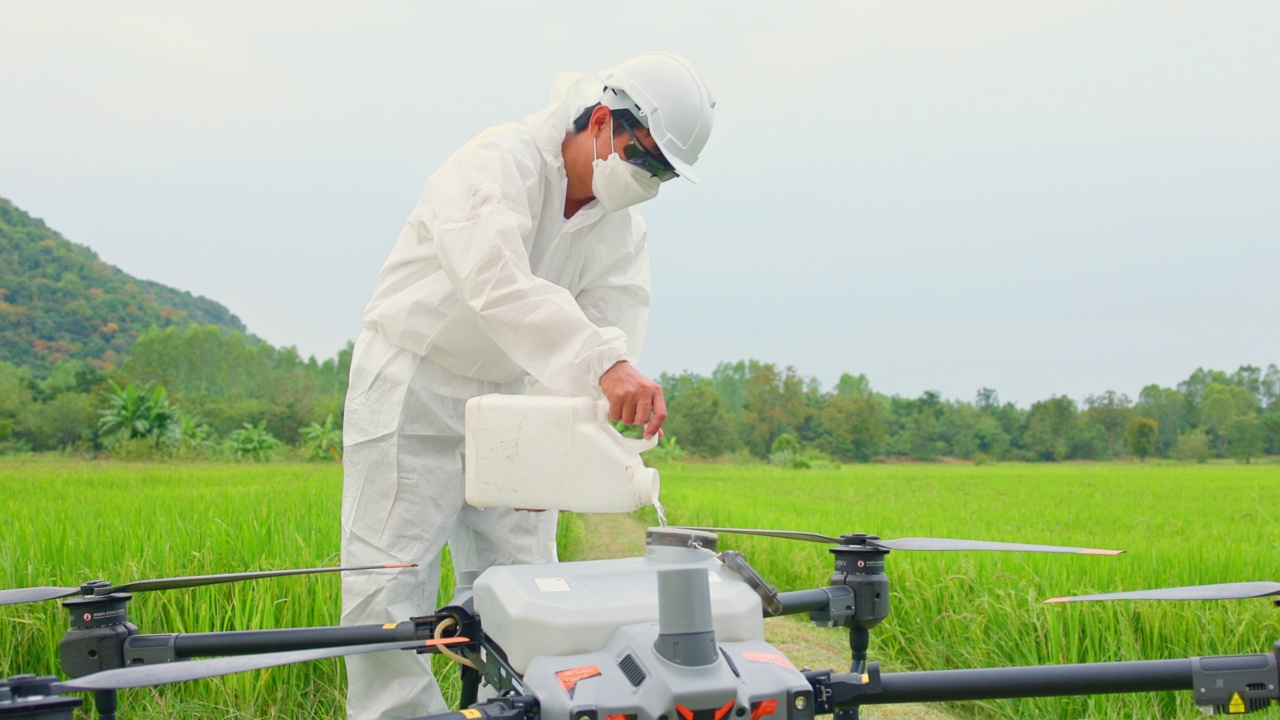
{"x":1237,"y":704}
{"x":556,"y":584}
{"x":569,"y":678}
{"x":769,"y":658}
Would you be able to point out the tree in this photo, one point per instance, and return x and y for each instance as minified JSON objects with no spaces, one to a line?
{"x":987,"y":399}
{"x":252,"y":442}
{"x":853,"y":385}
{"x":853,"y":426}
{"x":673,"y":386}
{"x":1141,"y":436}
{"x":134,"y":413}
{"x":1192,"y":446}
{"x":730,"y":380}
{"x":958,"y":425}
{"x":1193,"y":389}
{"x":774,"y":403}
{"x":702,"y":420}
{"x":1169,"y":408}
{"x":1271,"y":425}
{"x":58,"y":423}
{"x":785,"y":443}
{"x":1244,"y":436}
{"x":1049,"y":428}
{"x":1219,"y":405}
{"x":323,"y":440}
{"x":1111,"y":412}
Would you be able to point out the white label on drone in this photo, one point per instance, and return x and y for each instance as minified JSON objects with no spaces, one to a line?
{"x":556,"y":584}
{"x":713,"y":577}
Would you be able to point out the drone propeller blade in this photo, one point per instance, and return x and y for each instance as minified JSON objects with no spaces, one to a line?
{"x":199,"y":580}
{"x":913,"y":543}
{"x":1224,"y":591}
{"x":787,"y":534}
{"x":147,"y":675}
{"x":944,"y":544}
{"x":35,"y":594}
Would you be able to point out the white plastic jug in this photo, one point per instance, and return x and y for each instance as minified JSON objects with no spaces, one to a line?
{"x":541,"y":452}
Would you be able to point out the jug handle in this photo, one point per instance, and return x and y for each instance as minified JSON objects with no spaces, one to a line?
{"x":635,"y":445}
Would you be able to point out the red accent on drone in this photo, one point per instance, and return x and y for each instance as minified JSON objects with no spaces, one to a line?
{"x":724,"y":710}
{"x":769,"y":658}
{"x":764,"y":709}
{"x":569,"y":678}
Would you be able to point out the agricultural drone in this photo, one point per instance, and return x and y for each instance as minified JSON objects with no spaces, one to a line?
{"x":674,"y":635}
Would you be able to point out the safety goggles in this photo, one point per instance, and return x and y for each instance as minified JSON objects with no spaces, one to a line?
{"x":640,"y":156}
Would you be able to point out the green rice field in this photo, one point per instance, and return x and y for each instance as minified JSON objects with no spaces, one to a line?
{"x":67,"y":521}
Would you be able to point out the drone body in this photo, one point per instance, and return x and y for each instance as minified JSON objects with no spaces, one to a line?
{"x":673,"y":634}
{"x":575,"y":607}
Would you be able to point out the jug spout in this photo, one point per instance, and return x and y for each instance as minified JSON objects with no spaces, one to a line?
{"x":646,"y":483}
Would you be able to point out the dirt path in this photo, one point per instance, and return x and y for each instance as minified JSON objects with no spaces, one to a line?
{"x":616,"y":536}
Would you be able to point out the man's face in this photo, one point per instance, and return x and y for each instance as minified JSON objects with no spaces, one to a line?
{"x":623,"y":138}
{"x":635,"y":145}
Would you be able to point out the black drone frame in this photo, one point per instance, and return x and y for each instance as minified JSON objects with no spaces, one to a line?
{"x":104,"y":652}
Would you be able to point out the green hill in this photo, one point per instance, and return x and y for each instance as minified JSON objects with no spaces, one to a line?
{"x":58,"y":301}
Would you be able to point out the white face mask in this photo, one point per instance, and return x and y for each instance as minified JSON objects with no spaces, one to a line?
{"x":618,"y":184}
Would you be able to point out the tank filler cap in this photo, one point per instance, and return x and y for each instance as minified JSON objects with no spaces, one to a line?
{"x":681,"y":538}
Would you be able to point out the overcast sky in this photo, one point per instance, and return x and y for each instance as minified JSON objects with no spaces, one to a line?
{"x":1042,"y":198}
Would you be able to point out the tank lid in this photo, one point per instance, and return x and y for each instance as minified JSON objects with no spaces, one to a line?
{"x":680,"y":537}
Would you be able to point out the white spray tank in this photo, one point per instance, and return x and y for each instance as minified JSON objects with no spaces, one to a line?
{"x":540,"y":452}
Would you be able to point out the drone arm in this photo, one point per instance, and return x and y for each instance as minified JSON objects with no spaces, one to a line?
{"x":153,"y":649}
{"x":1235,"y":683}
{"x":827,"y":607}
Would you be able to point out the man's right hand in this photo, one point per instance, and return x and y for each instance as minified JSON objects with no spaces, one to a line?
{"x":633,"y":398}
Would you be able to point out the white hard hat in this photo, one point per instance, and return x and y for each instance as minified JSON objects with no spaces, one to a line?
{"x":669,"y":95}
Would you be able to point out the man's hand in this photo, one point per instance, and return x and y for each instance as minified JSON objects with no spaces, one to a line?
{"x":633,"y":398}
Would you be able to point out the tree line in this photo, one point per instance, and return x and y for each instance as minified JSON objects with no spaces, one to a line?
{"x":749,"y":406}
{"x":208,"y":391}
{"x":193,"y":391}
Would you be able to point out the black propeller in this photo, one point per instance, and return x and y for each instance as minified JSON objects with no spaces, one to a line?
{"x":910,"y":543}
{"x":1223,"y":591}
{"x":147,"y":675}
{"x":99,"y":587}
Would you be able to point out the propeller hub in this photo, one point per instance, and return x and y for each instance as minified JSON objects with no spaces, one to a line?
{"x":95,"y":587}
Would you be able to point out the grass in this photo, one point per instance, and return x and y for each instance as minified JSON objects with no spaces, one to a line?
{"x":68,"y":521}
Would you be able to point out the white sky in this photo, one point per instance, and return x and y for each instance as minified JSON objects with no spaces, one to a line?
{"x":1042,"y":198}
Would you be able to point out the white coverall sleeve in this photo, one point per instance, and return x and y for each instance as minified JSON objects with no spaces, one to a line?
{"x":620,"y":296}
{"x":480,"y":232}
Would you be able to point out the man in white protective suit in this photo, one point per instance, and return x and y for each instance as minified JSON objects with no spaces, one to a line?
{"x":522,"y":264}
